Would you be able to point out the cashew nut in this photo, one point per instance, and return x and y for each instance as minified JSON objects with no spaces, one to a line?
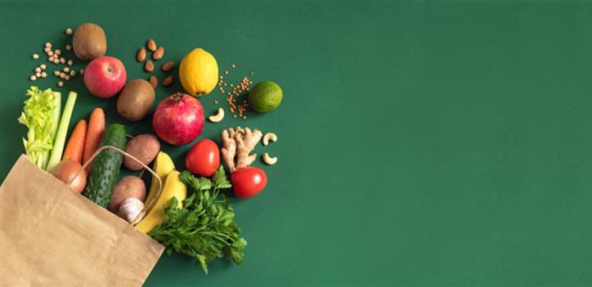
{"x":269,"y":137}
{"x":217,"y":117}
{"x":269,"y":160}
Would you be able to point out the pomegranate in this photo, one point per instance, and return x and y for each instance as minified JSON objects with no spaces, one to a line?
{"x":178,"y":119}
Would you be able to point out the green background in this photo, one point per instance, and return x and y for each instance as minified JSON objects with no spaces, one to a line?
{"x":420,"y":144}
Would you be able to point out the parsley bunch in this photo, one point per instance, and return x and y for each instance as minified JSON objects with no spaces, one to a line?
{"x":205,"y":228}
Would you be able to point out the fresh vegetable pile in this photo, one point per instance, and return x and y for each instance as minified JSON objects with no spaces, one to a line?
{"x":189,"y":211}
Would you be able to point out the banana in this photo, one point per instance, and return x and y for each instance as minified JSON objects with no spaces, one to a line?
{"x":173,"y":187}
{"x":163,"y":165}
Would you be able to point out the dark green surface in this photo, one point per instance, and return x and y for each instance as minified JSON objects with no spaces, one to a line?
{"x":419,"y":144}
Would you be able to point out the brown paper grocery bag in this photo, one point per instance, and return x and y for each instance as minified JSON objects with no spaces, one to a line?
{"x":51,"y":236}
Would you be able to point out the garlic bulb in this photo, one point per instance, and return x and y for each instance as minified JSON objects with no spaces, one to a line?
{"x":130,"y":208}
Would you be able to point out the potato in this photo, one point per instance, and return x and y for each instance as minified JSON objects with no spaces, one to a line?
{"x":129,"y":186}
{"x":89,"y":42}
{"x":143,"y":147}
{"x":136,"y":100}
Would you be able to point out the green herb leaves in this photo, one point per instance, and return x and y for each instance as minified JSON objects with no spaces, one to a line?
{"x":205,"y":228}
{"x":41,"y":115}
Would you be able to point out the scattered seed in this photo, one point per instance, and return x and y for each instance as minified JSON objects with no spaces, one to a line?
{"x":82,"y":71}
{"x":38,"y":74}
{"x":167,"y":81}
{"x":51,"y":59}
{"x":48,"y":45}
{"x":141,"y":55}
{"x":58,"y":52}
{"x":44,"y":75}
{"x":62,"y":60}
{"x":167,"y":66}
{"x":153,"y":81}
{"x":35,"y":56}
{"x":33,"y":78}
{"x":67,"y":78}
{"x":158,"y":54}
{"x":43,"y":67}
{"x":216,"y":102}
{"x":233,"y":65}
{"x":225,"y":72}
{"x":149,"y":66}
{"x":72,"y":73}
{"x":62,"y":75}
{"x":47,"y":50}
{"x":70,"y":62}
{"x":66,"y":69}
{"x":56,"y":73}
{"x":60,"y":84}
{"x":56,"y":61}
{"x":69,"y":31}
{"x":151,"y":45}
{"x":69,"y":47}
{"x":50,"y":53}
{"x":37,"y":70}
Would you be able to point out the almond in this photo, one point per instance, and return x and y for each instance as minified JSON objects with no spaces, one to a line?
{"x":167,"y":81}
{"x":158,"y":53}
{"x":167,"y":66}
{"x":153,"y":81}
{"x":149,"y":66}
{"x":151,"y":45}
{"x":141,"y":56}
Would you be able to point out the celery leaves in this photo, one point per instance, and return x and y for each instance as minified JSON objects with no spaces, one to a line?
{"x":38,"y":116}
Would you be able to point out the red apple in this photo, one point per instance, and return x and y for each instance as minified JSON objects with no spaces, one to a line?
{"x":105,"y":76}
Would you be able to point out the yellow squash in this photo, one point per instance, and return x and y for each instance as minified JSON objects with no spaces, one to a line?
{"x":173,"y":187}
{"x":163,"y":165}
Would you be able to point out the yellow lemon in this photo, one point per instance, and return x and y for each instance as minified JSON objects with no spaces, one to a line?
{"x":198,"y":72}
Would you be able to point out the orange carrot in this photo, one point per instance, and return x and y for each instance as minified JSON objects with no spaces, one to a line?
{"x":96,"y":128}
{"x":75,"y":147}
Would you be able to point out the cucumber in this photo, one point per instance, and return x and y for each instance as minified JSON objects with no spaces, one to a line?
{"x":106,"y":167}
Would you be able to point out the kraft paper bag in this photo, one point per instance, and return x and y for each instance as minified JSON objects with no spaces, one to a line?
{"x":51,"y":236}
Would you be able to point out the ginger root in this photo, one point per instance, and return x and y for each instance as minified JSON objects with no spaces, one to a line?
{"x":237,"y":144}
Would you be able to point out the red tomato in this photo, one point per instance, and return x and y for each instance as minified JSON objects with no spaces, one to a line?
{"x":248,"y":181}
{"x":203,"y":158}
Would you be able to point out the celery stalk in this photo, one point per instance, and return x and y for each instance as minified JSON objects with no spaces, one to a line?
{"x":38,"y":116}
{"x":56,"y":119}
{"x":56,"y":112}
{"x":60,"y":138}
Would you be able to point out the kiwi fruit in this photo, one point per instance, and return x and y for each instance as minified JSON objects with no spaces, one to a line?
{"x":89,"y":41}
{"x":136,"y":100}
